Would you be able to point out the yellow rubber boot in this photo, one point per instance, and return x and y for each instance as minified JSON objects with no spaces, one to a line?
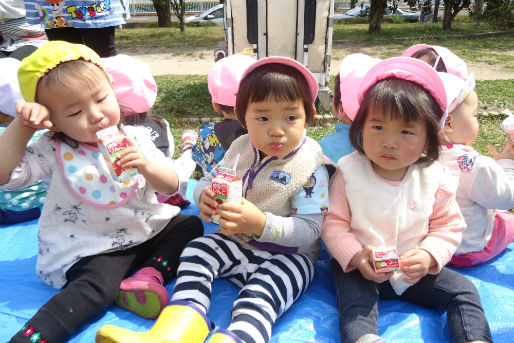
{"x":181,"y":321}
{"x":224,"y":336}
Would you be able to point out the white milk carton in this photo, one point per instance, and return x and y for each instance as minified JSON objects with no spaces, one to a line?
{"x":111,"y":143}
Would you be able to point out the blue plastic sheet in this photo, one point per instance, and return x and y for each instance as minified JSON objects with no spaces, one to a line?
{"x":313,"y":318}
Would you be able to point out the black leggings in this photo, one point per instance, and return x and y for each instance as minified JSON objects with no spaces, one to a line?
{"x":94,"y":282}
{"x":101,"y":39}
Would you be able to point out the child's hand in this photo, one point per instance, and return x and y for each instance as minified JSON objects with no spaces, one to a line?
{"x":207,"y":204}
{"x":361,"y":261}
{"x":132,"y":157}
{"x":34,"y":115}
{"x":415,"y":264}
{"x":507,"y":152}
{"x":241,"y":218}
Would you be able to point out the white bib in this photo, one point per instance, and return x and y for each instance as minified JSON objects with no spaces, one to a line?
{"x":88,"y":177}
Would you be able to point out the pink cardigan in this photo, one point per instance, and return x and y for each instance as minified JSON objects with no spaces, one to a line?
{"x":445,"y":232}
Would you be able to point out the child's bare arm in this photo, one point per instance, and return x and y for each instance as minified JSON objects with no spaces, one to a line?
{"x":506,"y":153}
{"x":31,"y":116}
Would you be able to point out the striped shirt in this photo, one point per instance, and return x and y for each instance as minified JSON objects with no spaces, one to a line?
{"x":77,"y":13}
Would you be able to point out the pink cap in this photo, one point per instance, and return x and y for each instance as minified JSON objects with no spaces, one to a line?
{"x":224,"y":76}
{"x":309,"y":77}
{"x":351,"y":71}
{"x":410,"y":69}
{"x":454,"y":65}
{"x":457,"y":89}
{"x":133,"y":82}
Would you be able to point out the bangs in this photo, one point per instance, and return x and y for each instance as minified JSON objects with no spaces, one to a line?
{"x":400,"y":100}
{"x":275,"y":85}
{"x":87,"y":74}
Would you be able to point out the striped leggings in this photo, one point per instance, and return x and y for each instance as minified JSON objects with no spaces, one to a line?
{"x":270,"y":282}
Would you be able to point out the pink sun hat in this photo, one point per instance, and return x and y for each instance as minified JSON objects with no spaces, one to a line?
{"x":224,"y":76}
{"x":309,"y":77}
{"x":457,"y":89}
{"x":409,"y":69}
{"x":134,"y":85}
{"x":351,"y":71}
{"x":454,"y":64}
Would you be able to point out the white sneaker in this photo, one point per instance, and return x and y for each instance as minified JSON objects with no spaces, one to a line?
{"x":189,"y":139}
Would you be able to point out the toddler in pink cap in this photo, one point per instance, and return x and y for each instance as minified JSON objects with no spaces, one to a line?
{"x":439,"y":57}
{"x":486,"y":185}
{"x":345,"y":103}
{"x":392,"y":195}
{"x":215,"y":137}
{"x":267,"y":243}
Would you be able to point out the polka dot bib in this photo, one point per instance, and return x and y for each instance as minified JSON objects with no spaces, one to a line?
{"x":88,"y":177}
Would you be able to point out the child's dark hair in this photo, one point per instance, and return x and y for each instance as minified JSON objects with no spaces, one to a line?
{"x":227,"y":109}
{"x":337,"y":91}
{"x":400,"y":99}
{"x":430,"y":56}
{"x":76,"y":69}
{"x":273,"y":81}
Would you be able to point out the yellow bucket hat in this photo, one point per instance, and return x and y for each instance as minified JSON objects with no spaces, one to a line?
{"x":46,"y":58}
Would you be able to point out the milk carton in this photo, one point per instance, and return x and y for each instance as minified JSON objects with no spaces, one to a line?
{"x":385,"y":260}
{"x":227,"y":188}
{"x":111,"y":143}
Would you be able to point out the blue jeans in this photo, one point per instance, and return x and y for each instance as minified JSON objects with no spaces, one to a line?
{"x":357,"y":300}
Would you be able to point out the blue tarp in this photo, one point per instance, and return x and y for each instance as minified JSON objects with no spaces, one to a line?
{"x":313,"y":318}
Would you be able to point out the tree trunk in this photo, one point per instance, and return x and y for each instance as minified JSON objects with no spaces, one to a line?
{"x":163,"y":10}
{"x":436,"y":10}
{"x":179,"y":7}
{"x":376,"y":13}
{"x":447,"y":16}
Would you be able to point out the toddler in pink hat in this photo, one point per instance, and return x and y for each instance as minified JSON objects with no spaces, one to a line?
{"x":345,"y":103}
{"x":439,"y":57}
{"x":136,"y":91}
{"x":485,"y":191}
{"x":392,"y":198}
{"x":215,"y":137}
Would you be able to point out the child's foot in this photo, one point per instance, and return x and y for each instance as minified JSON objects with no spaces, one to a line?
{"x":143,"y":293}
{"x":189,"y":139}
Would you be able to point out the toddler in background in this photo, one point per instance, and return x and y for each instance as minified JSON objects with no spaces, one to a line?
{"x":93,"y":231}
{"x":267,"y":244}
{"x":486,"y":185}
{"x":136,"y":90}
{"x":345,"y":103}
{"x":215,"y":137}
{"x":392,"y":193}
{"x":440,"y":58}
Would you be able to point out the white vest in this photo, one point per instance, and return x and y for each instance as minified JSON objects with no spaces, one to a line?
{"x":398,"y":214}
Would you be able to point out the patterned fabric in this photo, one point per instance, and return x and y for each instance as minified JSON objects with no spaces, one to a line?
{"x":17,"y":32}
{"x":25,"y":198}
{"x":278,"y":280}
{"x":88,"y":177}
{"x":76,"y":13}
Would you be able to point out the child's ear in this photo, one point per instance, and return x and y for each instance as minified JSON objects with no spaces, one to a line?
{"x":449,"y":124}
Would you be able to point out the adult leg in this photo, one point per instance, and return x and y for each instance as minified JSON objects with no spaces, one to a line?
{"x":270,"y":291}
{"x":357,"y":300}
{"x":93,"y":284}
{"x":456,"y":293}
{"x":100,"y":39}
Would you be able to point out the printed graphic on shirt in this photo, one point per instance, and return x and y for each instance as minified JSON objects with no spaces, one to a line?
{"x":280,"y":177}
{"x":313,"y":197}
{"x":208,"y":151}
{"x":466,"y":161}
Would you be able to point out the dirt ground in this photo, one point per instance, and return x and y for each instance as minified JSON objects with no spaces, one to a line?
{"x":200,"y":62}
